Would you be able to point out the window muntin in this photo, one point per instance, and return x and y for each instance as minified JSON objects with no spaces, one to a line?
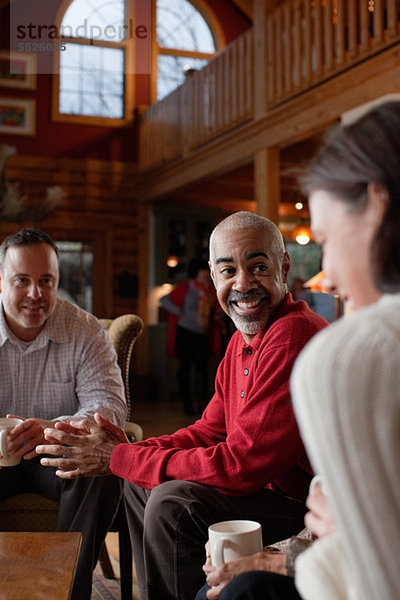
{"x":93,"y":72}
{"x":92,"y":68}
{"x":184,"y":42}
{"x":92,"y":81}
{"x":104,"y":20}
{"x":180,"y":26}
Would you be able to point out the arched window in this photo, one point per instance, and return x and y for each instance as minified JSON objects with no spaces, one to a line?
{"x":93,"y":80}
{"x":185,"y":41}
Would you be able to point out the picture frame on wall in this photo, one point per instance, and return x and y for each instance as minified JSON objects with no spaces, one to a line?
{"x":17,"y":116}
{"x":17,"y":70}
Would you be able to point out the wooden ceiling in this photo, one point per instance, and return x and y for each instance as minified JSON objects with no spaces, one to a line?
{"x":234,"y":189}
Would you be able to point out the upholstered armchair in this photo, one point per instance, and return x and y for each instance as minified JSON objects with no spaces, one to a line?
{"x":31,"y":512}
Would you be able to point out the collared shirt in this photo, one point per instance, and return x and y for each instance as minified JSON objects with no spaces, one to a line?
{"x":247,"y":438}
{"x":68,"y":371}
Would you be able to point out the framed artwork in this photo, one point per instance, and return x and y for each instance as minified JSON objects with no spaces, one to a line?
{"x":17,"y":70}
{"x":17,"y":116}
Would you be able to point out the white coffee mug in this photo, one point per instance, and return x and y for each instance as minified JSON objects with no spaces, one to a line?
{"x":7,"y":459}
{"x":229,"y":540}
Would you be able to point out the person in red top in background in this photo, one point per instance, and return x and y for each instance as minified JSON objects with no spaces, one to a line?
{"x":244,"y":458}
{"x":193,"y":331}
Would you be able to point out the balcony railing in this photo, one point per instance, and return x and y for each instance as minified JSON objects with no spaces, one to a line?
{"x":307,"y":42}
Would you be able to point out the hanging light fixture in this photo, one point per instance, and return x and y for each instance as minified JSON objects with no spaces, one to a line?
{"x":172,"y":261}
{"x":302,"y":235}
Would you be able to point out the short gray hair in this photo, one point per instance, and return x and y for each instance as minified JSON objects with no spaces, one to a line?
{"x":247,"y":220}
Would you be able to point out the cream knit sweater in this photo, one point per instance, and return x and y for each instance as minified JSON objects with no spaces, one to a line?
{"x":346,"y":394}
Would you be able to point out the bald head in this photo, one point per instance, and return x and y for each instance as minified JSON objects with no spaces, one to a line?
{"x":248,"y":220}
{"x":249,"y":268}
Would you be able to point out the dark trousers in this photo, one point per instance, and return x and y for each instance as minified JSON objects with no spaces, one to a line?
{"x":192,"y":351}
{"x":87,"y":504}
{"x":256,"y":585}
{"x":169,"y":528}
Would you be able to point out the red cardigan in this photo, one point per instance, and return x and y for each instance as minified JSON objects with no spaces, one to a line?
{"x":247,"y":438}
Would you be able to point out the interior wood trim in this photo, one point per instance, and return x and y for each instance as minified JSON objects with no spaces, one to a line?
{"x":310,"y":112}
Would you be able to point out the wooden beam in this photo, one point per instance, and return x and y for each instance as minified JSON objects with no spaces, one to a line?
{"x":293,"y":121}
{"x":246,"y":6}
{"x":267,"y":183}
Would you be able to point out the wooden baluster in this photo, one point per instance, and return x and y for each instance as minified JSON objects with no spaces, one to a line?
{"x":328,"y":35}
{"x":240,"y":91}
{"x":185,"y":115}
{"x":249,"y":73}
{"x":177,"y":133}
{"x":219,"y":92}
{"x":233,"y":80}
{"x":339,"y":37}
{"x":202,"y":105}
{"x":287,"y":47}
{"x":191,"y":112}
{"x":271,"y":59}
{"x":352,"y":28}
{"x":297,"y":44}
{"x":318,"y":56}
{"x":364,"y":26}
{"x":392,"y":18}
{"x":227,"y":103}
{"x":307,"y":32}
{"x":378,"y":22}
{"x":212,"y":95}
{"x":278,"y":50}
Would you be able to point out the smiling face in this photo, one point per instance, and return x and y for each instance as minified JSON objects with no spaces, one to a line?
{"x":345,"y":238}
{"x":249,"y":276}
{"x":28,"y":283}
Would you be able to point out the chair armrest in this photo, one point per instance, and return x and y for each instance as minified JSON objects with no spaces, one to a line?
{"x":133,"y":431}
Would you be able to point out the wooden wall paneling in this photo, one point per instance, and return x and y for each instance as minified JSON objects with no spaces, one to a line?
{"x":143,"y":234}
{"x":99,"y":200}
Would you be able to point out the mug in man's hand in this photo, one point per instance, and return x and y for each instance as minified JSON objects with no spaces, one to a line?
{"x":6,"y":458}
{"x":229,"y":540}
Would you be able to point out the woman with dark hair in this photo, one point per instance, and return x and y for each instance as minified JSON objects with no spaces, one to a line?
{"x":346,"y":382}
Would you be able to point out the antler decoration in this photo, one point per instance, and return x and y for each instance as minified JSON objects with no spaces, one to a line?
{"x":15,"y":206}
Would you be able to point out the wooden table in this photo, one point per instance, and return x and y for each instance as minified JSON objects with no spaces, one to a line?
{"x":37,"y":565}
